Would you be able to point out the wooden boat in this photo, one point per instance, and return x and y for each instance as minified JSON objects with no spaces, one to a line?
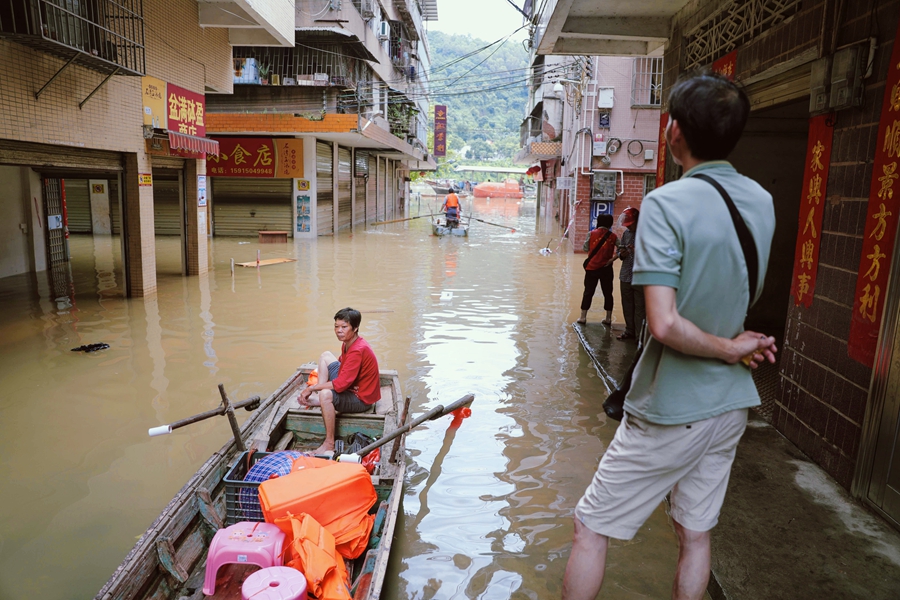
{"x":440,"y":227}
{"x":169,"y":559}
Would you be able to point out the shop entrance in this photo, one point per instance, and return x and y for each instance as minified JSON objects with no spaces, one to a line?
{"x":772,"y":152}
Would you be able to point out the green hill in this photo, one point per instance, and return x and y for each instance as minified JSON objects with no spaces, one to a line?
{"x":485,"y":95}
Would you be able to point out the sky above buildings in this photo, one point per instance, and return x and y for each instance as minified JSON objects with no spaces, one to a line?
{"x":488,"y":20}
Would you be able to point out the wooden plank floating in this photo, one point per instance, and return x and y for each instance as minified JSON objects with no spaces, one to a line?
{"x":267,"y":262}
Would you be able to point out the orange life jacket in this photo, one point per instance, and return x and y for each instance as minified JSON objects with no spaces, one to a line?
{"x":452,"y":201}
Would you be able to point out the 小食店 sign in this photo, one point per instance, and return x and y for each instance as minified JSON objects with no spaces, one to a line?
{"x":257,"y":157}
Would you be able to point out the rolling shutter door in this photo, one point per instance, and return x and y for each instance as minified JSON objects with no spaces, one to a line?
{"x":781,"y":88}
{"x":166,"y":203}
{"x":360,"y":170}
{"x":244,"y":206}
{"x":324,"y":191}
{"x":379,"y":203}
{"x":78,"y":205}
{"x":391,"y":195}
{"x":115,"y":219}
{"x":345,"y":199}
{"x":371,"y":190}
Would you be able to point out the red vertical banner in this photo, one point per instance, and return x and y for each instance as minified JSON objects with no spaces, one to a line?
{"x":881,"y":223}
{"x":440,"y":130}
{"x":727,"y":65}
{"x":661,"y":154}
{"x":812,"y":207}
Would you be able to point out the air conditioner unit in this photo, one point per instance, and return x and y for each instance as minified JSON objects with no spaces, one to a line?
{"x":367,"y":9}
{"x":384,"y":30}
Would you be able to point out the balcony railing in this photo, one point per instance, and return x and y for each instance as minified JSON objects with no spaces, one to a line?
{"x":103,"y":35}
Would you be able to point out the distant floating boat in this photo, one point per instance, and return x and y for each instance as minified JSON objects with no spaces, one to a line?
{"x":441,"y":227}
{"x":489,"y":189}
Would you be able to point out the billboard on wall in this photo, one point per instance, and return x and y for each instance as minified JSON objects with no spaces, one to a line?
{"x":168,"y":106}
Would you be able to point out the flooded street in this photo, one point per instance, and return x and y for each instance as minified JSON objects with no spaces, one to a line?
{"x":488,"y":506}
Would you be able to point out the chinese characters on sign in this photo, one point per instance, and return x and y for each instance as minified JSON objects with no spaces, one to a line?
{"x":812,"y":207}
{"x":154,"y":101}
{"x":185,"y":111}
{"x":145,"y":179}
{"x":440,"y":130}
{"x":257,"y":157}
{"x":727,"y":65}
{"x":881,"y":224}
{"x":661,"y":155}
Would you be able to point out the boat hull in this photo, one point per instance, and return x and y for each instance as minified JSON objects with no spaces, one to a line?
{"x":441,"y":230}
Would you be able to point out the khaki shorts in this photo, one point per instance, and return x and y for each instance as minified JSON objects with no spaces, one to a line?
{"x":645,"y":462}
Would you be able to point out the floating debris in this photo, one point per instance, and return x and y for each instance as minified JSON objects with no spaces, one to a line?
{"x":91,"y":347}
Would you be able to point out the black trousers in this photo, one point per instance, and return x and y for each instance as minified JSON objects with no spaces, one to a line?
{"x":603,"y":275}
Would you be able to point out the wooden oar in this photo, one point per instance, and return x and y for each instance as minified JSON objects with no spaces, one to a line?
{"x":513,"y":229}
{"x":436,"y":412}
{"x":401,"y":220}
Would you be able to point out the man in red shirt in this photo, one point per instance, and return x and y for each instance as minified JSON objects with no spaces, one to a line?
{"x":349,"y":384}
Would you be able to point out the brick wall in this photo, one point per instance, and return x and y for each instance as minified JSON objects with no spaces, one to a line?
{"x":823,"y":392}
{"x":178,"y":51}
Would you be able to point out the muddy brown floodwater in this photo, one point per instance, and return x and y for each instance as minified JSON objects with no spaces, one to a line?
{"x":488,"y":507}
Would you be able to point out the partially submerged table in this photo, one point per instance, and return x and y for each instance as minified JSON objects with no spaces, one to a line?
{"x":272,"y":237}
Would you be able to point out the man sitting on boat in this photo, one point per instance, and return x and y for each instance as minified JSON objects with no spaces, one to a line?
{"x":349,"y":384}
{"x":451,"y":209}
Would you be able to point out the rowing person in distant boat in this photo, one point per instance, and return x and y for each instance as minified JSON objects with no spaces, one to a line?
{"x":349,"y":384}
{"x":451,"y":209}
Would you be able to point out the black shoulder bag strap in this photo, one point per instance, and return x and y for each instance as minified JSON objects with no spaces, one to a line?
{"x":743,"y":232}
{"x":596,"y":249}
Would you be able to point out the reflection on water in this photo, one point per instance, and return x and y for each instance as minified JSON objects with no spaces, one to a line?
{"x":488,"y":506}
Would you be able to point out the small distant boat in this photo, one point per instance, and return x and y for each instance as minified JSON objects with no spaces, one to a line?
{"x":507,"y":189}
{"x":441,"y":227}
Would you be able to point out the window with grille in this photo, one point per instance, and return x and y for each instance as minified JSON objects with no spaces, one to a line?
{"x":646,"y":82}
{"x":604,"y":187}
{"x":649,"y":183}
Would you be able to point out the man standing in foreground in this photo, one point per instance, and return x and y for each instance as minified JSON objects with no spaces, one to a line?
{"x":349,"y":384}
{"x":687,"y":407}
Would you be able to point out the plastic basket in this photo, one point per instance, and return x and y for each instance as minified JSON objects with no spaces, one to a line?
{"x":237,"y":491}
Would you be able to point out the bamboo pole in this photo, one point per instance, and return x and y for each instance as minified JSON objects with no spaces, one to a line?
{"x":409,"y":219}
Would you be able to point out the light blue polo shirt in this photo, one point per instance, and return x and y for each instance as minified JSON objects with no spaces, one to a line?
{"x":686,"y":240}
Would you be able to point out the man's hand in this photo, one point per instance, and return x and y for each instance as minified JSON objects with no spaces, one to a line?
{"x":304,"y":395}
{"x":752,"y":349}
{"x":676,"y":332}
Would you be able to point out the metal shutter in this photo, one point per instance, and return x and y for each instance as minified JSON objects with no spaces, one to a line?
{"x":244,"y":206}
{"x":371,"y":190}
{"x":115,"y":218}
{"x":324,"y":192}
{"x":379,"y":201}
{"x":361,"y":169}
{"x":166,"y":202}
{"x":390,"y":200}
{"x":44,"y":157}
{"x":781,"y":88}
{"x":78,"y":205}
{"x":345,"y":200}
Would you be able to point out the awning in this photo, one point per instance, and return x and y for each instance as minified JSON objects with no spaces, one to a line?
{"x":182,"y":141}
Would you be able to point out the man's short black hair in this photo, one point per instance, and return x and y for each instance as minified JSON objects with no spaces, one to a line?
{"x":604,"y":221}
{"x":711,"y":112}
{"x":349,"y":315}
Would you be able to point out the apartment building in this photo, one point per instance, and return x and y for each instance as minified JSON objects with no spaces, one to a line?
{"x":349,"y":102}
{"x":590,"y":135}
{"x":91,"y":89}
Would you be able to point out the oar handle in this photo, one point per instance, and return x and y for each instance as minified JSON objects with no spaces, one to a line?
{"x":248,"y":404}
{"x":436,"y":412}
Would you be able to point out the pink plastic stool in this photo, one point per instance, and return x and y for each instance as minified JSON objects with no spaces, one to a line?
{"x":243,"y":543}
{"x":275,"y":583}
